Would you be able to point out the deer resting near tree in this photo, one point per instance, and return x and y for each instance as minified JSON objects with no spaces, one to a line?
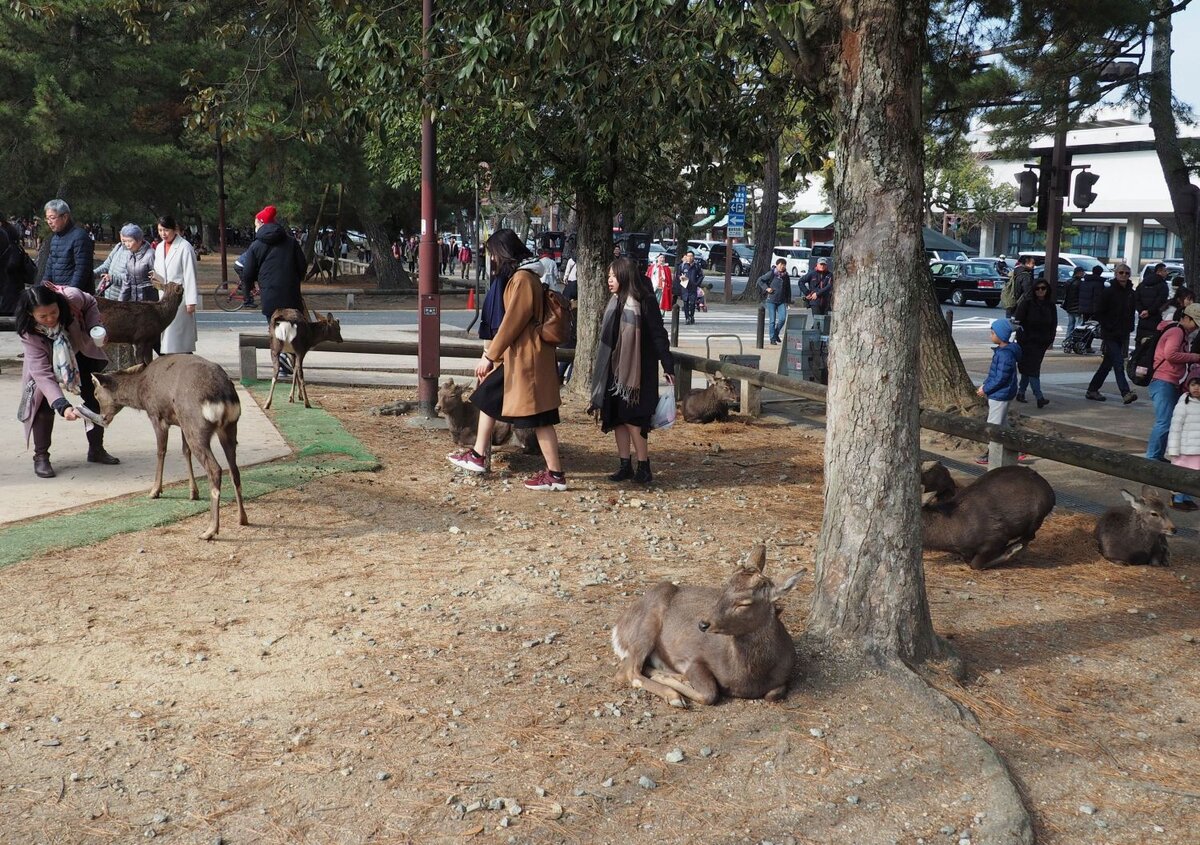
{"x":710,"y":404}
{"x":701,"y":642}
{"x":1136,"y":532}
{"x":292,"y":332}
{"x":140,"y":323}
{"x":194,"y":394}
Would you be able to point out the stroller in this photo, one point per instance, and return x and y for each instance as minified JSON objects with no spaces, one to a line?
{"x":1079,"y":341}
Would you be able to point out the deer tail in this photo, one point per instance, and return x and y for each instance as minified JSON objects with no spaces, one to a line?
{"x":285,"y":332}
{"x":221,"y":412}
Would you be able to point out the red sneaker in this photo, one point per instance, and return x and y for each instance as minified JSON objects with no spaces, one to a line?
{"x":546,"y":481}
{"x":468,"y":459}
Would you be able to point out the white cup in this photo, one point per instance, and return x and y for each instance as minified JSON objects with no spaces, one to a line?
{"x":99,"y":335}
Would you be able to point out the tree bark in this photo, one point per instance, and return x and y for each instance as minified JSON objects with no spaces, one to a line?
{"x":593,"y":253}
{"x":945,"y":385}
{"x":314,"y":231}
{"x":764,"y":233}
{"x":870,"y":582}
{"x":1185,"y":198}
{"x":391,"y":275}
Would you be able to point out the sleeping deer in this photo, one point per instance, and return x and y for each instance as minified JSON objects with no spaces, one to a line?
{"x":701,"y":642}
{"x":292,"y":332}
{"x":194,"y":394}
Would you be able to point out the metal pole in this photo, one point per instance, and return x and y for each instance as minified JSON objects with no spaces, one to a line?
{"x":221,"y":206}
{"x":728,"y":268}
{"x":760,"y":329}
{"x":429,"y":320}
{"x":1059,"y":176}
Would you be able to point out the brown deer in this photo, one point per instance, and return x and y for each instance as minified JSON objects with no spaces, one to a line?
{"x":291,"y":332}
{"x":701,"y":642}
{"x":140,"y":323}
{"x":194,"y":394}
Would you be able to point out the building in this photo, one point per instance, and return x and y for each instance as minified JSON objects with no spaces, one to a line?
{"x":1131,"y":219}
{"x":813,"y":229}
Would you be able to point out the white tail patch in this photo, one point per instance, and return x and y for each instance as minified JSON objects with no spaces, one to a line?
{"x":285,"y":332}
{"x":620,"y":650}
{"x":219,"y":413}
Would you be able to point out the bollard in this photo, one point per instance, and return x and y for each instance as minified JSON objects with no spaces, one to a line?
{"x":683,"y":379}
{"x":675,"y":323}
{"x":760,"y":332}
{"x":248,"y":364}
{"x":950,"y":321}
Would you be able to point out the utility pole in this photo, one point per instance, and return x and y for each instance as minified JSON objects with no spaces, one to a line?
{"x":1059,"y":178}
{"x":221,"y":205}
{"x":429,"y":327}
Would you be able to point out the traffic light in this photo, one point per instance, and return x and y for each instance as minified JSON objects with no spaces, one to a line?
{"x":712,"y":209}
{"x":1027,"y":188}
{"x":1084,"y":195}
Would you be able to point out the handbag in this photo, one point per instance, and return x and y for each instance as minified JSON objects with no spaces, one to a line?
{"x":664,"y":412}
{"x":25,"y":407}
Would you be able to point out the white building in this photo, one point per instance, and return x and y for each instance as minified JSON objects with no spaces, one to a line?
{"x":1131,"y":219}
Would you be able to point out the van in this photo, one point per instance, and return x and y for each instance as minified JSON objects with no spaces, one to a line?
{"x":1067,"y":262}
{"x":796,"y":258}
{"x":701,"y":248}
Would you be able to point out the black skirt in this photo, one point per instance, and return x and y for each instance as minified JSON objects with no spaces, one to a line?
{"x":489,"y":399}
{"x":617,"y":412}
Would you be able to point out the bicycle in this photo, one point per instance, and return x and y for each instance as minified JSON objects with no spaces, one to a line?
{"x":229,"y":296}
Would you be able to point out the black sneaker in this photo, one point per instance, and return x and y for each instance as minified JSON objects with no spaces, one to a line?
{"x":1096,"y":396}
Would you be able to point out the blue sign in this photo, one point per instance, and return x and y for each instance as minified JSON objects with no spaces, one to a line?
{"x":737,"y":202}
{"x":736,"y":218}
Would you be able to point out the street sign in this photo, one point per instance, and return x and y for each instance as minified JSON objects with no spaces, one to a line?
{"x":535,"y":220}
{"x":735,"y":232}
{"x":737,"y":203}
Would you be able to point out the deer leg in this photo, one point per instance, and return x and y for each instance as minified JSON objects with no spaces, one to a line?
{"x":187,"y":458}
{"x":303,"y":383}
{"x":697,"y":683}
{"x":679,"y":683}
{"x":991,"y":556}
{"x":274,"y":375}
{"x":228,"y":437}
{"x":297,"y":379}
{"x":630,"y":674}
{"x":209,"y":461}
{"x":160,"y":437}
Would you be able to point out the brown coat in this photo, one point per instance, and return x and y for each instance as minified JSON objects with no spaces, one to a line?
{"x":530,"y":372}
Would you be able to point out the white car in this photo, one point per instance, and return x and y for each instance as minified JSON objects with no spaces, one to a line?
{"x":796,"y":258}
{"x":701,"y":248}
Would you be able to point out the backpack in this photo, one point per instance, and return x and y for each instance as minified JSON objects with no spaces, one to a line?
{"x":555,"y":326}
{"x":25,"y":270}
{"x":1140,"y":366}
{"x":1008,"y":295}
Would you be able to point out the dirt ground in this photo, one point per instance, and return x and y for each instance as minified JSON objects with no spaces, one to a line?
{"x":416,"y":655}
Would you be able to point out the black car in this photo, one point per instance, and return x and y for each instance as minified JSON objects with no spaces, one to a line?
{"x":960,"y":281}
{"x":743,"y":256}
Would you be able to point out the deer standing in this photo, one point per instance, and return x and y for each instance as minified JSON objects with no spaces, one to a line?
{"x":140,"y":323}
{"x":292,"y":332}
{"x":194,"y":394}
{"x":703,"y":641}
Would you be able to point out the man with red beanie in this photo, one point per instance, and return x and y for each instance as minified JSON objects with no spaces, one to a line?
{"x":275,"y":261}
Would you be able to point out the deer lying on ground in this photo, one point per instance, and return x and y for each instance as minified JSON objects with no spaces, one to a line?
{"x":701,"y":642}
{"x":140,"y":323}
{"x":710,"y":404}
{"x":194,"y":394}
{"x":291,"y":332}
{"x":1136,"y":532}
{"x":990,"y":520}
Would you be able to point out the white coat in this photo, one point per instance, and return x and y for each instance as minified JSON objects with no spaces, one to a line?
{"x":179,"y":266}
{"x":1184,"y":437}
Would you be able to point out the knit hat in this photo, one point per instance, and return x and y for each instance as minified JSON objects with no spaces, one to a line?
{"x":267,"y":215}
{"x":1003,"y":329}
{"x":1193,"y":311}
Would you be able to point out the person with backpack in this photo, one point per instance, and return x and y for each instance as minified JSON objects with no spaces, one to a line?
{"x":1115,"y":312}
{"x":517,"y":376}
{"x":1019,"y":284}
{"x":625,"y":379}
{"x":1070,"y":301}
{"x":1090,"y":288}
{"x":1151,"y":297}
{"x":1172,"y":358}
{"x":17,"y":270}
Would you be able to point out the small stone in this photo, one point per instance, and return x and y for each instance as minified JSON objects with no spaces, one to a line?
{"x":55,"y":719}
{"x":852,"y":800}
{"x":1159,"y":829}
{"x":74,"y":777}
{"x":947,"y":830}
{"x":51,"y":743}
{"x":1101,"y":823}
{"x":161,"y":817}
{"x":817,"y":732}
{"x":554,"y":811}
{"x":646,"y":783}
{"x":1188,"y":638}
{"x":607,"y":783}
{"x":495,"y":804}
{"x":454,"y":529}
{"x":706,"y":751}
{"x":3,"y":726}
{"x":1087,"y":809}
{"x":514,"y":809}
{"x":382,"y":776}
{"x":12,"y":679}
{"x":356,"y":684}
{"x":504,"y":822}
{"x":1074,"y":658}
{"x":674,"y":756}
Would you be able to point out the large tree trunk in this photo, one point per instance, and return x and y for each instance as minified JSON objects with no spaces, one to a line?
{"x":1185,"y":198}
{"x":870,"y":583}
{"x":764,"y":233}
{"x":314,"y":231}
{"x":945,"y":385}
{"x":391,"y":275}
{"x":593,"y":253}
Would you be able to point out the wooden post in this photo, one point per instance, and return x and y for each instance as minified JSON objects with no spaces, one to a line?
{"x":683,"y":373}
{"x":248,"y":363}
{"x":675,"y":323}
{"x":950,"y":320}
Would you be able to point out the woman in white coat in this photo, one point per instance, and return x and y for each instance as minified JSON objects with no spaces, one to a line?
{"x":175,"y":261}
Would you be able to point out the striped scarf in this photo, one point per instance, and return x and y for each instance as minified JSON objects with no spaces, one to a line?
{"x":62,"y":357}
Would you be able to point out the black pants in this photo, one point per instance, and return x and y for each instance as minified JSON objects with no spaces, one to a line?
{"x":689,"y":305}
{"x":43,"y":418}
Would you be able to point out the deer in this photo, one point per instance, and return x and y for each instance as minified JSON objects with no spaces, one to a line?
{"x":702,"y":642}
{"x":710,"y":404}
{"x":1136,"y":532}
{"x":140,"y":323}
{"x":292,"y":332}
{"x":194,"y":394}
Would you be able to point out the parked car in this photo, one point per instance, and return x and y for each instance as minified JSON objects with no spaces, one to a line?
{"x":740,"y":261}
{"x":821,"y":251}
{"x":701,"y":248}
{"x":796,"y":258}
{"x":945,"y":255}
{"x":963,"y":281}
{"x":1070,"y":260}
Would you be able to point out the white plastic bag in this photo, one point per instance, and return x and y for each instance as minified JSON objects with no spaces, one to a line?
{"x":664,"y":414}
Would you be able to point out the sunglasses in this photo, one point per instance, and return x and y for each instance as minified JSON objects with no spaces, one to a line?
{"x":1122,"y":272}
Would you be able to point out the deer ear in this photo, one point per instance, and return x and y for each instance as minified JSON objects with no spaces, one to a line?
{"x":927,"y":498}
{"x":1148,"y":492}
{"x":758,"y":558}
{"x":102,"y":380}
{"x":787,"y":585}
{"x":329,"y":316}
{"x":928,"y":465}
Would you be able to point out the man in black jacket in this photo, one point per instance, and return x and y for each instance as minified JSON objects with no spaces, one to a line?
{"x":1070,"y":301}
{"x":775,"y":288}
{"x":817,"y":287}
{"x":1090,"y":288}
{"x":275,"y":262}
{"x":1151,"y":296}
{"x":1115,"y":313}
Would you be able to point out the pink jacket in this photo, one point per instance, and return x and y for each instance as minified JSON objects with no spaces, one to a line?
{"x":1171,"y":358}
{"x":38,"y":361}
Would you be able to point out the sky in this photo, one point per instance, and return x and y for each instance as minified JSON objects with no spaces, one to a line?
{"x":1185,"y":66}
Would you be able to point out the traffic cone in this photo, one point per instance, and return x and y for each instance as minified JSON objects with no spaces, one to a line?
{"x":471,"y":299}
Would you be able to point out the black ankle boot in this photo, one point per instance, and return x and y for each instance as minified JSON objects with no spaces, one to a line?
{"x":41,"y":465}
{"x":643,"y":475}
{"x":624,"y":471}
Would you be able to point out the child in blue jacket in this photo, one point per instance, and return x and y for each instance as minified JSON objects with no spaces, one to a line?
{"x":1001,"y":384}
